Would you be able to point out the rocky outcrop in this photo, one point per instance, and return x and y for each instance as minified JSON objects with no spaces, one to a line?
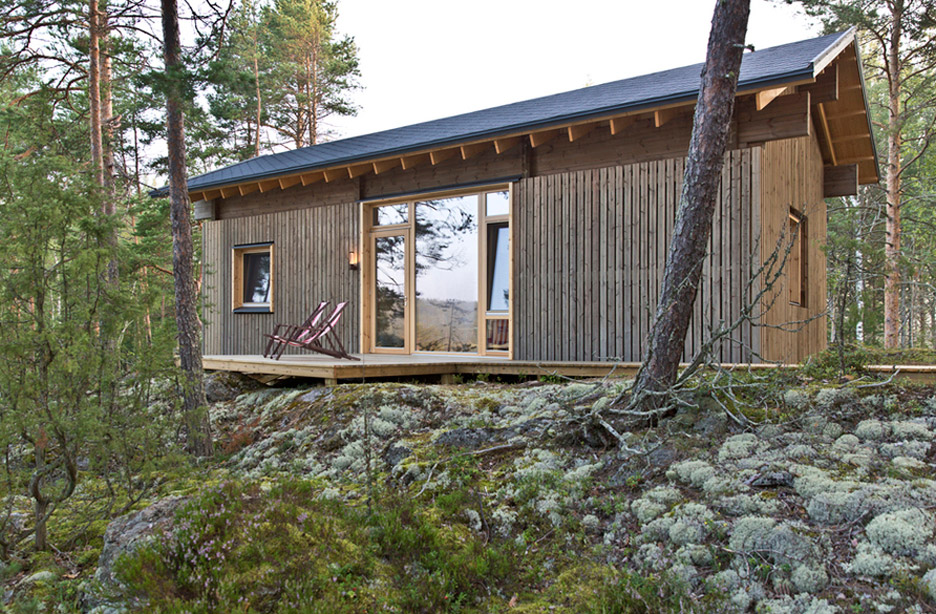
{"x":127,"y":533}
{"x":225,"y":386}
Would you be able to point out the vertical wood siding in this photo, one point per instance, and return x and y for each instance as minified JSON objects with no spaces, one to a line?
{"x":591,"y":247}
{"x":792,"y":177}
{"x":310,"y":265}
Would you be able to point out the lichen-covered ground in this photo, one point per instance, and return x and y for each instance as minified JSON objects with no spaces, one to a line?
{"x":825,"y":504}
{"x":791,"y":495}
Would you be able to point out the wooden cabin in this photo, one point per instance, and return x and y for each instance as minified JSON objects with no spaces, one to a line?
{"x":537,"y":231}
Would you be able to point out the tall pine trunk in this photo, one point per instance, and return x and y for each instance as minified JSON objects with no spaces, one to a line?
{"x":693,"y":225}
{"x":892,"y":185}
{"x":94,"y":91}
{"x":101,"y":111}
{"x":183,"y":268}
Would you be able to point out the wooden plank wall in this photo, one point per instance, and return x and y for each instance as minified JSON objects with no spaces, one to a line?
{"x":792,"y":177}
{"x":311,"y":248}
{"x":590,"y":250}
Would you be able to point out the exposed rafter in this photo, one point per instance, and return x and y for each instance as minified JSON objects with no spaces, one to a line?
{"x":288,"y":182}
{"x":579,"y":130}
{"x":359,"y":169}
{"x":266,"y":186}
{"x":441,"y":155}
{"x":765,"y":97}
{"x":310,"y":178}
{"x":619,"y":124}
{"x":541,"y":138}
{"x":334,"y":174}
{"x":382,"y":166}
{"x":408,"y":162}
{"x":469,"y":151}
{"x":664,"y":116}
{"x":502,"y":145}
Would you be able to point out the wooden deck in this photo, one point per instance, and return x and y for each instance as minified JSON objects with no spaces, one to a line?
{"x":390,"y":365}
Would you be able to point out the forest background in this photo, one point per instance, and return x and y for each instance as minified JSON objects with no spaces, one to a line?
{"x":87,"y":331}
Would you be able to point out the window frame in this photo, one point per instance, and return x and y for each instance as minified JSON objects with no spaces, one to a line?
{"x":798,"y":260}
{"x":485,"y":221}
{"x":238,"y":305}
{"x":369,"y":230}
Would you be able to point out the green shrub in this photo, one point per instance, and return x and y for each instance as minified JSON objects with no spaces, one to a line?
{"x":238,"y":547}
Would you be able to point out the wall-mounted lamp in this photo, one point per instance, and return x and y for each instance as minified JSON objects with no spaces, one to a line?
{"x":353,"y":260}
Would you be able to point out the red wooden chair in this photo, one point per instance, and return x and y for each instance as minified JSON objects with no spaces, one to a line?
{"x":321,"y":338}
{"x":276,"y":345}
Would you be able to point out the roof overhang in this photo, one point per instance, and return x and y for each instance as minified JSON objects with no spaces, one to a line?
{"x":831,"y":87}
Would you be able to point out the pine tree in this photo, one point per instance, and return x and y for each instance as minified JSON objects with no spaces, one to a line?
{"x":693,"y":226}
{"x":312,"y":69}
{"x":900,"y":40}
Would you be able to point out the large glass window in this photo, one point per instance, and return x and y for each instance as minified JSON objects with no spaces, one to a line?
{"x":388,"y":215}
{"x":390,"y":291}
{"x":447,"y":274}
{"x":498,"y":275}
{"x":441,"y":274}
{"x":253,"y":278}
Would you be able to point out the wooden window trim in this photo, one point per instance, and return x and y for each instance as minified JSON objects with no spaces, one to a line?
{"x":484,"y":220}
{"x":237,"y":277}
{"x":799,"y":259}
{"x":369,"y":232}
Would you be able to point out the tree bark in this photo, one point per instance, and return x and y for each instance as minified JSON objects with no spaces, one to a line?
{"x":693,"y":224}
{"x":94,"y":91}
{"x":108,"y":121}
{"x":259,"y":108}
{"x":183,"y":268}
{"x":894,"y":146}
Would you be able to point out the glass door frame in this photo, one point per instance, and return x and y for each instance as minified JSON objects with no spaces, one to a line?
{"x":484,"y":220}
{"x":378,"y":232}
{"x":369,"y":234}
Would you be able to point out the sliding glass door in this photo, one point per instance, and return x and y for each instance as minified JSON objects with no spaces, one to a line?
{"x":446,"y":290}
{"x":391,"y":312}
{"x":439,"y":274}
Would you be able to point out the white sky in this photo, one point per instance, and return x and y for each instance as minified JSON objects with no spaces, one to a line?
{"x":425,"y":59}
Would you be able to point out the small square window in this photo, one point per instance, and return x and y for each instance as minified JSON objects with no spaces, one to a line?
{"x":253,"y":278}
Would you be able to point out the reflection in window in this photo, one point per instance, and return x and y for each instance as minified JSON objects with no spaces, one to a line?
{"x":391,"y":214}
{"x":257,"y":278}
{"x":390,"y":253}
{"x":498,"y":279}
{"x":497,"y":335}
{"x":252,"y":290}
{"x":447,"y":275}
{"x":498,"y":203}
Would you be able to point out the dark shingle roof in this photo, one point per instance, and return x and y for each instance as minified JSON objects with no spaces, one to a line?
{"x":760,"y":68}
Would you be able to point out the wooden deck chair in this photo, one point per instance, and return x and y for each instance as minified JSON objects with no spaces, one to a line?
{"x":322,"y":338}
{"x":276,"y":345}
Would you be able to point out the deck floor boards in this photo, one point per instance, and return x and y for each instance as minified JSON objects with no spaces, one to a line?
{"x":372,"y":366}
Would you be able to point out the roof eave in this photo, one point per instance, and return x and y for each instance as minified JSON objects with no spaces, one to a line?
{"x":644,"y":105}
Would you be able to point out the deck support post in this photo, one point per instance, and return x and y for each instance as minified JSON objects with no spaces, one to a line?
{"x":331,"y":381}
{"x":447,"y":379}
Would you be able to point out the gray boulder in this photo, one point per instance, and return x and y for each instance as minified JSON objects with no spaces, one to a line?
{"x":127,"y":533}
{"x":227,"y":386}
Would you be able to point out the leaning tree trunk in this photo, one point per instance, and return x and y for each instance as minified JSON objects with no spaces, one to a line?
{"x":183,"y":268}
{"x":693,"y":225}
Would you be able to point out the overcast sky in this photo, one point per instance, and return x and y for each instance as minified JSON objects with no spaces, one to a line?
{"x":425,"y":59}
